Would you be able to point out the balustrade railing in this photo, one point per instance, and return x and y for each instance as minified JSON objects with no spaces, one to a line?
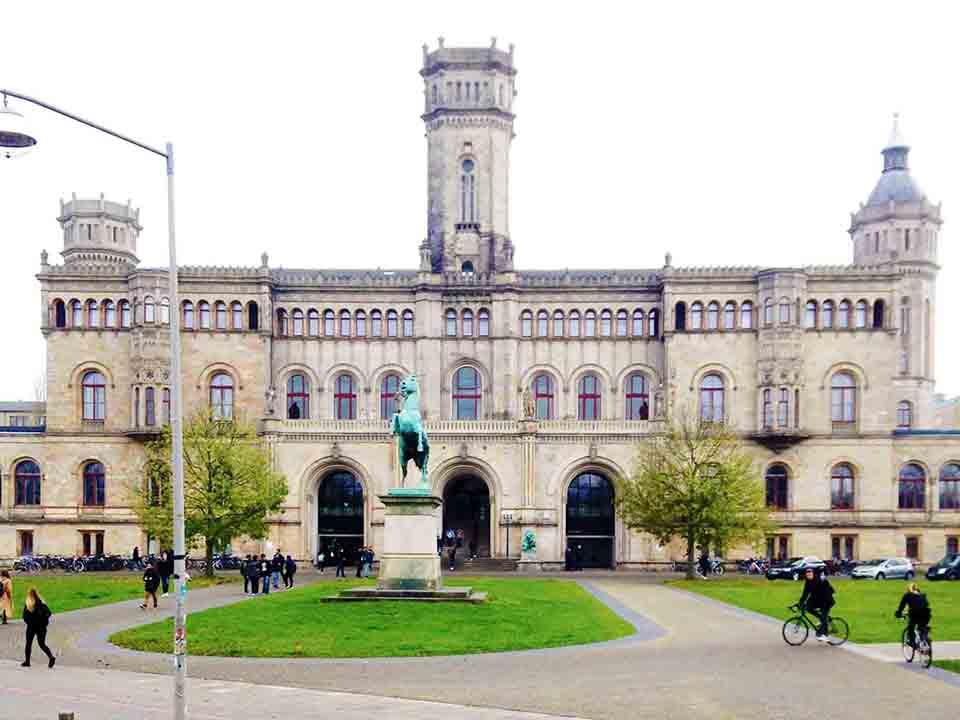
{"x":473,"y":427}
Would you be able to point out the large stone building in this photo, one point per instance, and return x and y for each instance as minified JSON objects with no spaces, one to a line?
{"x":536,"y":384}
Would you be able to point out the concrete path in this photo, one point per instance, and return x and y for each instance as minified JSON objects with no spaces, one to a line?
{"x":893,"y":653}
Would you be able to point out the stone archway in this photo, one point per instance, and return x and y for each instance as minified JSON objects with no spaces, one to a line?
{"x":466,"y":506}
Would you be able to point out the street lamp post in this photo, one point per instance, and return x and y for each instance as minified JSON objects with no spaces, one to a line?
{"x":14,"y":140}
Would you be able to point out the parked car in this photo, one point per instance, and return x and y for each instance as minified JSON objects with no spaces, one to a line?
{"x":946,"y":569}
{"x":794,"y":568}
{"x":883,"y":568}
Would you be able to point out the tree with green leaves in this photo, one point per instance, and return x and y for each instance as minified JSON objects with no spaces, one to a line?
{"x":230,"y":487}
{"x":696,"y":481}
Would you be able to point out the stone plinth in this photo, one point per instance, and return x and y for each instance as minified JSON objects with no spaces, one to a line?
{"x":409,"y":559}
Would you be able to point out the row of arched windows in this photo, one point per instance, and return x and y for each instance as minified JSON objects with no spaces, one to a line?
{"x":730,"y":317}
{"x":911,"y":487}
{"x":828,"y":315}
{"x":96,"y":314}
{"x":219,"y":315}
{"x":466,"y":324}
{"x":590,"y":324}
{"x":27,"y":481}
{"x":107,"y":314}
{"x":344,"y":324}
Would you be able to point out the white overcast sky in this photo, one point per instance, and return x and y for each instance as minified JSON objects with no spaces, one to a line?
{"x":725,"y":132}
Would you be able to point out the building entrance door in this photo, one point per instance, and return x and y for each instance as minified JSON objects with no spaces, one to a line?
{"x":339,"y":517}
{"x":591,"y":525}
{"x":466,"y":506}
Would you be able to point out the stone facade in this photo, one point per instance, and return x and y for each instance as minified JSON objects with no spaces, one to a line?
{"x":536,"y":385}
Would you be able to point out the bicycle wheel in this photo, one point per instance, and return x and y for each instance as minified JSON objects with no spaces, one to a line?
{"x":837,"y":631}
{"x":795,"y":631}
{"x":926,"y":650}
{"x":908,"y":650}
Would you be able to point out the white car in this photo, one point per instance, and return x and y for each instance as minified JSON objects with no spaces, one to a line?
{"x":883,"y":568}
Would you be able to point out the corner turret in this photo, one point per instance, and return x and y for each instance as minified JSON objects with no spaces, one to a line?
{"x":99,"y":231}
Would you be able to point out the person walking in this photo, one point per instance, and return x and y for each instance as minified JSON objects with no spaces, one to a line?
{"x":452,"y":556}
{"x":568,"y":559}
{"x":368,"y":562}
{"x":36,"y":615}
{"x":151,"y":581}
{"x":341,"y":559}
{"x":6,"y":597}
{"x":361,"y":559}
{"x":246,"y":569}
{"x":165,"y":570}
{"x":263,"y":573}
{"x":276,"y":568}
{"x":135,"y":556}
{"x":322,"y":559}
{"x":289,"y":571}
{"x":473,"y":546}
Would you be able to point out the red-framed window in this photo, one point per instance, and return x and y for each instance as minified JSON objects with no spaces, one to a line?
{"x":27,"y":483}
{"x":637,"y":398}
{"x":950,"y":487}
{"x":843,"y":398}
{"x":841,"y":487}
{"x":389,"y":387}
{"x":346,"y":321}
{"x":712,"y":399}
{"x":778,"y":480}
{"x":543,"y":396}
{"x":467,"y":392}
{"x":408,"y":323}
{"x":345,"y":397}
{"x":912,"y":487}
{"x":588,"y":398}
{"x":298,"y":397}
{"x":221,"y":396}
{"x":94,"y":484}
{"x":94,"y":387}
{"x":392,"y":321}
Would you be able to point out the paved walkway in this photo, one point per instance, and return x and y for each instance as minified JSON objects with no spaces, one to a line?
{"x":691,"y":659}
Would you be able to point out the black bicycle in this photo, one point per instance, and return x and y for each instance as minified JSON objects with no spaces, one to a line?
{"x":922,"y":645}
{"x":797,"y":629}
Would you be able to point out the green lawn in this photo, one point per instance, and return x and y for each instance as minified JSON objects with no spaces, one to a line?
{"x":867,"y":605}
{"x":519,"y":614}
{"x":72,"y":592}
{"x":952,"y":665}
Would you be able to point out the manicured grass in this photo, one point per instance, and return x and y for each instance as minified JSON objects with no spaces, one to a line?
{"x":519,"y":614}
{"x":951,"y":665}
{"x":72,"y":592}
{"x":867,"y":605}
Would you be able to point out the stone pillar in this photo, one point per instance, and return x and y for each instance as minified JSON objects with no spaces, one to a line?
{"x":409,"y":560}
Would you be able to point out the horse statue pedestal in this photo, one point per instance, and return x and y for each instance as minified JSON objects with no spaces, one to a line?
{"x":411,"y":523}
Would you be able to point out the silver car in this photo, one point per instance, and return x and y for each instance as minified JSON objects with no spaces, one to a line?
{"x":883,"y":568}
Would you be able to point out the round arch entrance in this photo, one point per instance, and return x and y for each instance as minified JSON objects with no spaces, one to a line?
{"x":340,"y":514}
{"x":591,"y":520}
{"x":466,"y":506}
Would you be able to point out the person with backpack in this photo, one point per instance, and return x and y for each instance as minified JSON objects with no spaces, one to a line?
{"x":36,"y":615}
{"x":289,"y":570}
{"x":918,"y":612}
{"x":151,"y":581}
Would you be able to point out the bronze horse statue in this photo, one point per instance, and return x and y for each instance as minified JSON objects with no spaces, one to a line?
{"x":412,"y":442}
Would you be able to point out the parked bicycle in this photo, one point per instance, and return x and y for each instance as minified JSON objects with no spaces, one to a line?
{"x":26,"y":565}
{"x":797,"y":629}
{"x":922,"y":646}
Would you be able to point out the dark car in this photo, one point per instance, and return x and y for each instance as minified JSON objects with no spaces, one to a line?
{"x":794,"y":568}
{"x":946,"y":569}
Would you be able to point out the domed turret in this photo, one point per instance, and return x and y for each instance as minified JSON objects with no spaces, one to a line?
{"x":99,"y":231}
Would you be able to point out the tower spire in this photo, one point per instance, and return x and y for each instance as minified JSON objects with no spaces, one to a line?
{"x":897,"y":149}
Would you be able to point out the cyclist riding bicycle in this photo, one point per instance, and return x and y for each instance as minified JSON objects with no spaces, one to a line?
{"x":918,"y":611}
{"x":817,"y":598}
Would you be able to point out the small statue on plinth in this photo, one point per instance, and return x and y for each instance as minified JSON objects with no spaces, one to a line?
{"x":528,"y":545}
{"x":412,"y":442}
{"x":529,"y":405}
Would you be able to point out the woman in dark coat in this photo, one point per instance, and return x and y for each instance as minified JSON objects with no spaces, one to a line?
{"x":151,"y":581}
{"x":289,"y":570}
{"x":36,"y":615}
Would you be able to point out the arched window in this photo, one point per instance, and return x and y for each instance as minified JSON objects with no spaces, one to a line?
{"x":346,"y":321}
{"x":483,"y":323}
{"x":696,"y":316}
{"x":637,"y":397}
{"x":783,"y":408}
{"x":124,"y":314}
{"x":94,"y":387}
{"x":810,"y":318}
{"x":637,"y":329}
{"x":843,"y":314}
{"x":467,"y":320}
{"x":297,"y":322}
{"x":93,"y":314}
{"x":526,"y":323}
{"x":828,"y":313}
{"x":912,"y":487}
{"x":76,"y":314}
{"x":313,"y":322}
{"x":236,"y":316}
{"x":543,"y":396}
{"x":329,"y":323}
{"x":860,"y":315}
{"x":730,"y":316}
{"x":712,"y":399}
{"x":950,"y":487}
{"x":149,"y":310}
{"x":904,"y":414}
{"x":784,"y":314}
{"x":27,"y":483}
{"x":59,"y":314}
{"x":253,"y":316}
{"x":389,"y":387}
{"x":558,"y":323}
{"x":187,"y":315}
{"x":166,"y":406}
{"x":713,"y":316}
{"x":221,"y":396}
{"x":164,"y":311}
{"x":283,"y":328}
{"x":467,"y":268}
{"x":469,"y":212}
{"x":841,"y":487}
{"x":340,"y":511}
{"x":653,"y":323}
{"x":574,"y":327}
{"x":450,"y":326}
{"x":466,"y":394}
{"x":376,"y":323}
{"x":621,"y":323}
{"x":778,"y":481}
{"x":768,"y":312}
{"x":150,"y":404}
{"x":746,"y":315}
{"x":204,"y":308}
{"x":543,"y":323}
{"x":94,"y":482}
{"x":680,"y":316}
{"x":588,"y":397}
{"x":392,"y":321}
{"x":109,"y":314}
{"x":590,"y":323}
{"x":345,"y":397}
{"x":879,"y":311}
{"x":767,"y":409}
{"x":298,"y":397}
{"x":221,"y":310}
{"x":591,"y":519}
{"x":408,"y":323}
{"x":360,"y":319}
{"x":843,"y":398}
